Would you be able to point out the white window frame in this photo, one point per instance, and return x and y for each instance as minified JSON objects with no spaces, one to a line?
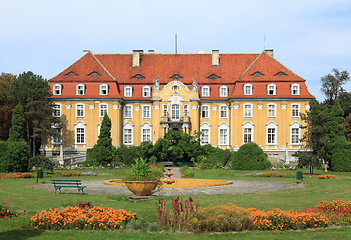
{"x":207,"y":127}
{"x":80,"y":110}
{"x":175,"y":112}
{"x":128,"y":127}
{"x":271,"y":126}
{"x":103,"y":89}
{"x":80,"y":89}
{"x":295,"y":89}
{"x":205,"y":109}
{"x":57,"y":129}
{"x":271,"y":87}
{"x":164,"y":110}
{"x":125,"y":112}
{"x":295,"y":125}
{"x":56,"y":89}
{"x":128,"y":91}
{"x":146,"y":111}
{"x":57,"y":110}
{"x":146,"y":91}
{"x":271,"y":108}
{"x":248,"y":86}
{"x":223,"y":112}
{"x":186,"y":110}
{"x":148,"y":127}
{"x":205,"y":91}
{"x":248,"y":110}
{"x":81,"y":127}
{"x":223,"y":91}
{"x":101,"y":106}
{"x":248,"y":125}
{"x":293,"y":110}
{"x":223,"y":140}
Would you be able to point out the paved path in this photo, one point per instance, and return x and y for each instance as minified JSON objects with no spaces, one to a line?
{"x":238,"y":187}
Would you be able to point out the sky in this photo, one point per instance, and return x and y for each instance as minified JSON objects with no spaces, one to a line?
{"x":309,"y":37}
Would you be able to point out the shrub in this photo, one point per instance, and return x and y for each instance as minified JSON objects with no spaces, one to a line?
{"x":68,"y":174}
{"x":221,"y":218}
{"x":340,"y":156}
{"x":187,"y":172}
{"x":273,"y":174}
{"x":250,"y":157}
{"x":14,"y":156}
{"x":41,"y":162}
{"x":204,"y":162}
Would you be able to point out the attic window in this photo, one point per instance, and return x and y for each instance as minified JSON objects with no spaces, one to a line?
{"x":94,"y":74}
{"x":213,"y":76}
{"x":281,"y":74}
{"x":176,"y":76}
{"x":138,"y":76}
{"x":71,"y":74}
{"x":257,"y":74}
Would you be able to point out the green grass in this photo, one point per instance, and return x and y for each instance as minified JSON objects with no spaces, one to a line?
{"x":21,"y":195}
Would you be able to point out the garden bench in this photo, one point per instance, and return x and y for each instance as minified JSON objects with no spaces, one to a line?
{"x":58,"y":184}
{"x":168,"y":164}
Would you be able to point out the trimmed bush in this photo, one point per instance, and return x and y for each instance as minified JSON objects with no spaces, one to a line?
{"x":14,"y":156}
{"x":341,"y":156}
{"x":41,"y":162}
{"x":250,"y":157}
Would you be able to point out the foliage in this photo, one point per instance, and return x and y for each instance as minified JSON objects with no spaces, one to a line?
{"x":345,"y":102}
{"x":187,"y":172}
{"x":223,"y":218}
{"x":17,"y":128}
{"x":340,"y":156}
{"x":204,"y":162}
{"x":226,"y":157}
{"x":250,"y":157}
{"x":103,"y":149}
{"x":348,"y":127}
{"x":68,"y":173}
{"x":178,"y":215}
{"x":41,"y":162}
{"x":14,"y":156}
{"x":142,"y":172}
{"x":273,"y":174}
{"x":81,"y":218}
{"x":6,"y":105}
{"x":307,"y":160}
{"x":332,"y":85}
{"x":6,"y":211}
{"x":17,"y":175}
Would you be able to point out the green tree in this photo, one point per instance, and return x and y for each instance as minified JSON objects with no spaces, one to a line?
{"x":345,"y":102}
{"x":6,"y":105}
{"x":307,"y":160}
{"x":17,"y":128}
{"x":103,"y":150}
{"x":250,"y":157}
{"x":348,"y":127}
{"x":332,"y":85}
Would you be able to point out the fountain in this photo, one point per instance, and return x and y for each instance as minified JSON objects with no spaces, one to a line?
{"x":169,"y":180}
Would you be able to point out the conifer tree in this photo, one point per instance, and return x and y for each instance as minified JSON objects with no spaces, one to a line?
{"x":17,"y":128}
{"x":103,"y":150}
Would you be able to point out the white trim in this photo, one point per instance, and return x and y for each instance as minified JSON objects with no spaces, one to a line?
{"x":57,"y":108}
{"x":274,"y":109}
{"x":298,"y":109}
{"x":225,"y":94}
{"x":131,"y":112}
{"x":128,"y":126}
{"x":208,"y":112}
{"x":101,"y":86}
{"x":80,"y":125}
{"x":297,"y":90}
{"x":224,"y":127}
{"x":251,"y":110}
{"x":100,"y":105}
{"x":226,"y":112}
{"x":205,"y":126}
{"x":143,"y":112}
{"x":145,"y":126}
{"x":247,"y":125}
{"x":272,"y":125}
{"x":146,"y":91}
{"x":57,"y":91}
{"x":82,"y":109}
{"x":273,"y":89}
{"x":130,"y":91}
{"x":208,"y":94}
{"x":295,"y":125}
{"x":80,"y":89}
{"x":249,"y":85}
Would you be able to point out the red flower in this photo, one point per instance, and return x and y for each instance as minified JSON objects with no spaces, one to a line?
{"x":190,"y":199}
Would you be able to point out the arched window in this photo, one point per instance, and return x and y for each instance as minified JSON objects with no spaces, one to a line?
{"x":248,"y":132}
{"x":271,"y":131}
{"x":295,"y":131}
{"x":146,"y":131}
{"x":205,"y":129}
{"x":80,"y":133}
{"x":128,"y":134}
{"x":223,"y":134}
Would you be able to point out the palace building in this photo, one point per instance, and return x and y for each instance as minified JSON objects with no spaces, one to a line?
{"x":231,"y":98}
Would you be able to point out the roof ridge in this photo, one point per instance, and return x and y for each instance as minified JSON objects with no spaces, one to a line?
{"x":250,"y":66}
{"x":102,"y":66}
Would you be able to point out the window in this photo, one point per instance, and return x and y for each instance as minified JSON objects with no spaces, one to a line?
{"x":257,"y":74}
{"x":128,"y":91}
{"x":57,"y":89}
{"x":80,"y":132}
{"x":271,"y":135}
{"x":223,"y":130}
{"x":176,"y":76}
{"x":295,"y":89}
{"x":138,"y":76}
{"x":271,"y":88}
{"x":80,"y":89}
{"x":103,"y":109}
{"x":94,"y":74}
{"x":57,"y":138}
{"x":80,"y":110}
{"x":295,"y":135}
{"x":145,"y":132}
{"x":57,"y":110}
{"x":175,"y":111}
{"x":248,"y":89}
{"x":128,"y":111}
{"x":280,"y":74}
{"x":71,"y":74}
{"x":103,"y":89}
{"x":271,"y":110}
{"x":146,"y":91}
{"x":186,"y":110}
{"x":223,"y":112}
{"x":248,"y":128}
{"x":205,"y":112}
{"x":164,"y":110}
{"x":205,"y":129}
{"x":213,"y":76}
{"x":271,"y":129}
{"x":128,"y":134}
{"x":248,"y":110}
{"x":295,"y":110}
{"x":223,"y":91}
{"x":146,"y":112}
{"x":205,"y":91}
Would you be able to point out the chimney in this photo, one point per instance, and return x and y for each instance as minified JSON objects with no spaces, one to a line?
{"x":201,"y":51}
{"x":269,"y":52}
{"x":151,"y":51}
{"x":215,"y":57}
{"x":136,"y":57}
{"x":85,"y":51}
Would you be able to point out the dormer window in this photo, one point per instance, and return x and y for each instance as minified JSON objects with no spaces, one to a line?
{"x":139,"y":76}
{"x":271,"y":89}
{"x":213,"y":76}
{"x":128,"y":91}
{"x":103,"y":89}
{"x":257,"y":74}
{"x":280,"y":74}
{"x":295,"y":89}
{"x":248,"y":89}
{"x":94,"y":74}
{"x":80,"y":89}
{"x":223,"y":91}
{"x":57,"y":89}
{"x":205,"y":91}
{"x":176,"y":76}
{"x":71,"y":74}
{"x":146,"y":91}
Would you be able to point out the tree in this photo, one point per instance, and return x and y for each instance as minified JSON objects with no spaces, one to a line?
{"x":17,"y":128}
{"x":250,"y":157}
{"x":332,"y":85}
{"x":33,"y":93}
{"x":345,"y":102}
{"x":103,"y":150}
{"x":307,"y":160}
{"x":348,"y":127}
{"x":6,"y":105}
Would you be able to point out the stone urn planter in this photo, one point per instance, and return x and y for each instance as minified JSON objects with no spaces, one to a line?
{"x":141,"y":188}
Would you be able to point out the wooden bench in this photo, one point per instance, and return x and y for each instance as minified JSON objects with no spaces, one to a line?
{"x":58,"y":184}
{"x":168,"y":164}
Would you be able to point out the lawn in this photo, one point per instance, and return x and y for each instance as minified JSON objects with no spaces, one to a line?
{"x":21,"y":195}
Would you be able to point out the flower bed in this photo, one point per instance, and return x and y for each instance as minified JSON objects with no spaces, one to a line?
{"x":5,"y":211}
{"x":81,"y":218}
{"x":17,"y":175}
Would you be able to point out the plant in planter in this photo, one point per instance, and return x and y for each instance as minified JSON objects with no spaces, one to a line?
{"x":144,"y":179}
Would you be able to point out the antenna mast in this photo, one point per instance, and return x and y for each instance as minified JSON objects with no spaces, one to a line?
{"x":176,"y":43}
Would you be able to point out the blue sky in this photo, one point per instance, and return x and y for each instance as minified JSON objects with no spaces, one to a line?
{"x":45,"y":37}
